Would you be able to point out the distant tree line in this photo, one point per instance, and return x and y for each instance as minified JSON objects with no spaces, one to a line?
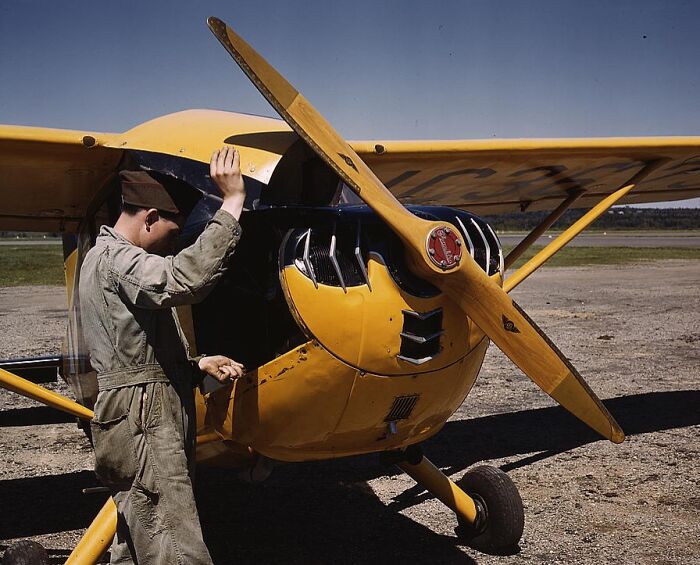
{"x":621,"y":218}
{"x":28,"y":235}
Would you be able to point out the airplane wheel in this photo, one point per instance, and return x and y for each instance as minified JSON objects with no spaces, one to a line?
{"x":25,"y":552}
{"x":501,"y":517}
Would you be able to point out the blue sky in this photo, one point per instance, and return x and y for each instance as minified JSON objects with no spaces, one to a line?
{"x":389,"y":70}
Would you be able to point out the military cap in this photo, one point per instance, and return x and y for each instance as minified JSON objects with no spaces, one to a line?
{"x":161,"y":191}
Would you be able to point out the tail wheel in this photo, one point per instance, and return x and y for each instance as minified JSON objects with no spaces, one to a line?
{"x":501,"y":518}
{"x":25,"y":552}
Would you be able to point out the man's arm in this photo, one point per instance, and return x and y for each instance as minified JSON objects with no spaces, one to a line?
{"x":151,"y":281}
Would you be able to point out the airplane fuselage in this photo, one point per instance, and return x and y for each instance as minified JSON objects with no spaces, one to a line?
{"x":367,"y":356}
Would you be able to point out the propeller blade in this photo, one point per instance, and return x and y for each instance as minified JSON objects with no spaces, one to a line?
{"x":312,"y":127}
{"x":463,"y":280}
{"x":512,"y":330}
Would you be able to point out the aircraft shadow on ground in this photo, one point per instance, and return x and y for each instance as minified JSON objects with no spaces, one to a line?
{"x":325,"y":512}
{"x":550,"y":431}
{"x":544,"y":432}
{"x":34,"y":416}
{"x":47,"y":504}
{"x":310,"y":515}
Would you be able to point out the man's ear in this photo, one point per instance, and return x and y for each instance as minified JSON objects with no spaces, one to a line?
{"x":152,"y":216}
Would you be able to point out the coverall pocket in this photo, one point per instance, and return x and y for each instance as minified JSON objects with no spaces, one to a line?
{"x":145,"y":502}
{"x":115,"y":461}
{"x":151,"y":405}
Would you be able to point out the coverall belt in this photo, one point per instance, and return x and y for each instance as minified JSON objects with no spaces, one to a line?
{"x":129,"y":376}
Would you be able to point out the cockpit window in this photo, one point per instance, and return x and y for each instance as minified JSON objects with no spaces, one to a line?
{"x":301,"y":178}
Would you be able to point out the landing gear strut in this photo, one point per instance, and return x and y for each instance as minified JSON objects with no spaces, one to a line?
{"x":487,"y":503}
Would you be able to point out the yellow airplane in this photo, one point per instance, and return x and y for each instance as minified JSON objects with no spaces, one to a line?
{"x":370,"y":294}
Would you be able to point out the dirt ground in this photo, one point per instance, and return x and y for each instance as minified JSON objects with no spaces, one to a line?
{"x":632,"y":331}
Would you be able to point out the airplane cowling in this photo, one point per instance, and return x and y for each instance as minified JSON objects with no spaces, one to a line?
{"x":348,"y":287}
{"x":307,"y":405}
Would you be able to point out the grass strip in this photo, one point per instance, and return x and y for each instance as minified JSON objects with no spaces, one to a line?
{"x":580,"y":256}
{"x":26,"y":265}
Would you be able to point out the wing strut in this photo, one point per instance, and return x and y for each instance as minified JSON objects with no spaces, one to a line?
{"x":586,"y":220}
{"x":97,"y":538}
{"x":27,"y":388}
{"x":557,"y":213}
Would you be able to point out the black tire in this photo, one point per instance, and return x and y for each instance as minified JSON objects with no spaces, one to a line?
{"x":501,"y":519}
{"x":25,"y":552}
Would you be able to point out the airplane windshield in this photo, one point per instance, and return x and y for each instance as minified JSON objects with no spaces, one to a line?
{"x":196,"y":174}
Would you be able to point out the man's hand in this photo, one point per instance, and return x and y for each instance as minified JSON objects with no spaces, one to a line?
{"x":221,"y":368}
{"x":225,"y":171}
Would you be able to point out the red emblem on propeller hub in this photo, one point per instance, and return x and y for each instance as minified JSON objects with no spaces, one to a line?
{"x":444,"y":247}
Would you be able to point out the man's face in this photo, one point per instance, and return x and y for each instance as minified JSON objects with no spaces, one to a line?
{"x":159,"y":234}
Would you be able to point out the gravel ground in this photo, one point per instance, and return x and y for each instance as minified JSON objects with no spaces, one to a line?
{"x":640,"y":238}
{"x":632,"y":331}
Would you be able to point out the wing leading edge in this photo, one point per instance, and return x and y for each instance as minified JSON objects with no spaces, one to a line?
{"x":48,"y":177}
{"x":498,"y":176}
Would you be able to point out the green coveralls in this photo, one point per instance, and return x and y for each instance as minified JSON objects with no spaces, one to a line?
{"x":144,"y":425}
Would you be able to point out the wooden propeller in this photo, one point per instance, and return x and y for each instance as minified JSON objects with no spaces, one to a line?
{"x":433,"y":248}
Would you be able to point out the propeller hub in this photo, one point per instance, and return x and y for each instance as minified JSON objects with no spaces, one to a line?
{"x":444,"y":247}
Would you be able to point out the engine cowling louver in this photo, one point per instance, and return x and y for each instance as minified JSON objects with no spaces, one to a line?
{"x":402,"y":407}
{"x":420,"y":338}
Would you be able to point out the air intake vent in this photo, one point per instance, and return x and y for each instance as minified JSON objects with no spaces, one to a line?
{"x":401,"y":408}
{"x":322,"y":259}
{"x":420,"y":338}
{"x":333,"y":256}
{"x":482,"y":243}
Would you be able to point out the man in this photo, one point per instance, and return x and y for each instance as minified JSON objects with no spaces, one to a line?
{"x":144,"y":425}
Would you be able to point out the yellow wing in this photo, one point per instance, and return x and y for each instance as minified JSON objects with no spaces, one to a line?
{"x":496,"y":176}
{"x":48,"y":177}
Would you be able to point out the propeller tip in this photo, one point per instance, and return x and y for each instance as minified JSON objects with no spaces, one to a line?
{"x":214,"y":22}
{"x":617,"y":436}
